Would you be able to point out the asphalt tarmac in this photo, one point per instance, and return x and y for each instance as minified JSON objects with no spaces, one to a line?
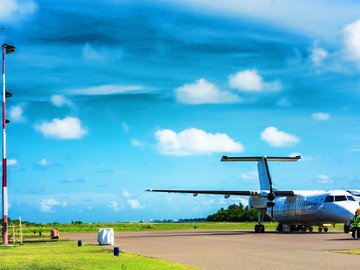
{"x":223,"y":249}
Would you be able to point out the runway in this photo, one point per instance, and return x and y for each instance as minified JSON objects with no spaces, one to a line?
{"x":223,"y":249}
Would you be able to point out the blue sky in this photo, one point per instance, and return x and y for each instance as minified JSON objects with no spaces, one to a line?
{"x":113,"y":97}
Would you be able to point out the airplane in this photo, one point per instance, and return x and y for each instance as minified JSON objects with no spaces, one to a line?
{"x":293,"y":210}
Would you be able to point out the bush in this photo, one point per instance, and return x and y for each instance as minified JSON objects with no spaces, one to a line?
{"x":234,"y":213}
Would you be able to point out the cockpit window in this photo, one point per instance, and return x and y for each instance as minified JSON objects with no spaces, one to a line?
{"x":340,"y":198}
{"x":329,"y":199}
{"x":350,"y":198}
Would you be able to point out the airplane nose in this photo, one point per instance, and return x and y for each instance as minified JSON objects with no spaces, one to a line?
{"x":347,"y":212}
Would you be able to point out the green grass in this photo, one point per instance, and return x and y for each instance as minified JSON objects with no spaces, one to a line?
{"x":94,"y":227}
{"x":349,"y":251}
{"x":29,"y":229}
{"x":67,"y":255}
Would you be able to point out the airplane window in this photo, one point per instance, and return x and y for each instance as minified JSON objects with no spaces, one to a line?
{"x":329,"y":199}
{"x":350,"y":198}
{"x":340,"y":198}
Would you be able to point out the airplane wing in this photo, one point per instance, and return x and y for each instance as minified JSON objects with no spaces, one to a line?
{"x":226,"y":193}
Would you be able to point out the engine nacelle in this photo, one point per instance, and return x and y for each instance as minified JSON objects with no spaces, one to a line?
{"x":260,"y":202}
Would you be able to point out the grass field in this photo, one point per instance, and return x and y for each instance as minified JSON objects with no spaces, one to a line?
{"x":349,"y":251}
{"x":67,"y":255}
{"x":94,"y":227}
{"x":45,"y":229}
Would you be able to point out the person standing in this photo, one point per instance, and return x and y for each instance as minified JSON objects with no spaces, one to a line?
{"x":356,"y":225}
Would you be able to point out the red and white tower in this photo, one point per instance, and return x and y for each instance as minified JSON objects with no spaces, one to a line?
{"x":6,"y":49}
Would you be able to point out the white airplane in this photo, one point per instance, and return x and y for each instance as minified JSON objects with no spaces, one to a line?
{"x":293,"y":210}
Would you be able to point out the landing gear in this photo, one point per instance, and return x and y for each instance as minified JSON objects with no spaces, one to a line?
{"x":320,"y":229}
{"x":260,"y":228}
{"x":293,"y":228}
{"x":307,"y":228}
{"x":304,"y":228}
{"x":348,"y":226}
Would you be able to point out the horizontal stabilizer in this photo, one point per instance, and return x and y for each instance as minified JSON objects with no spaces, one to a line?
{"x":232,"y":159}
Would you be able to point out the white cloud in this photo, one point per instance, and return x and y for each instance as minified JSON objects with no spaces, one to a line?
{"x":136,"y":143}
{"x":72,"y":180}
{"x":352,"y":41}
{"x":109,"y":89}
{"x":114,"y":206}
{"x":134,"y":204}
{"x":194,"y":141}
{"x":323,"y":179}
{"x":204,"y":92}
{"x":125,"y":127}
{"x":13,"y":10}
{"x":46,"y":205}
{"x":126,"y":194}
{"x":295,"y":154}
{"x":67,"y":128}
{"x":60,"y":100}
{"x":17,"y":113}
{"x":12,"y":162}
{"x":303,"y":157}
{"x":277,"y":138}
{"x":284,"y":102}
{"x":90,"y":53}
{"x":320,"y":116}
{"x":251,"y":175}
{"x":250,"y":81}
{"x":43,"y":162}
{"x":317,"y":54}
{"x":298,"y":15}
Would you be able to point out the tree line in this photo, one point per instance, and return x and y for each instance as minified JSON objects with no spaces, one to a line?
{"x":235,"y":213}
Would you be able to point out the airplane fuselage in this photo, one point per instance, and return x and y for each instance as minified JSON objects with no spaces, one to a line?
{"x":314,"y":207}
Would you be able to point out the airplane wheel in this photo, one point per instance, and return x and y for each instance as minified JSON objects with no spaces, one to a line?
{"x":262,"y":228}
{"x":311,"y":229}
{"x":326,"y":229}
{"x":280,"y":228}
{"x":319,"y":229}
{"x":303,"y":229}
{"x":257,"y":228}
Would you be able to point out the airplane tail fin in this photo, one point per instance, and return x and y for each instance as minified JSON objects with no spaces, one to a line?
{"x":264,"y":174}
{"x":263,"y":168}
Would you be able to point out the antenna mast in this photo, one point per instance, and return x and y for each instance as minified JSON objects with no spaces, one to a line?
{"x":5,"y":49}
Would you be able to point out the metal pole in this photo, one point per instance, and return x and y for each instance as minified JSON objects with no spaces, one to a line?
{"x":4,"y":178}
{"x":21,"y":235}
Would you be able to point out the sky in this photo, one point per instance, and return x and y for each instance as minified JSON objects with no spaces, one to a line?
{"x":114,"y":97}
